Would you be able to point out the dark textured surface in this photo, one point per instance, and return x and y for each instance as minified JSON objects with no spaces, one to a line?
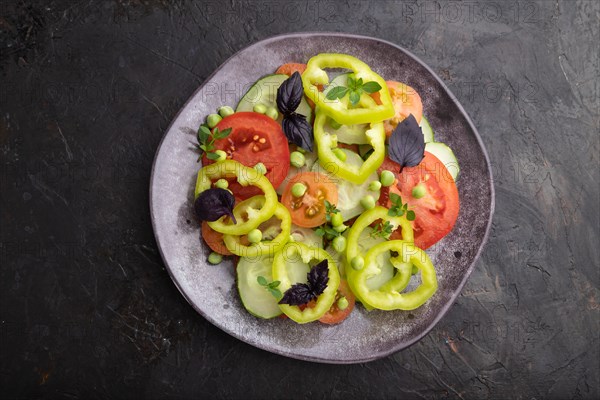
{"x":364,"y":336}
{"x":86,"y":306}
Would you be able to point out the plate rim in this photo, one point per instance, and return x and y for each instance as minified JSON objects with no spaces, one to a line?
{"x":446,"y":307}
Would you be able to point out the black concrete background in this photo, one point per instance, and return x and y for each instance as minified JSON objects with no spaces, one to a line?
{"x":87,"y":309}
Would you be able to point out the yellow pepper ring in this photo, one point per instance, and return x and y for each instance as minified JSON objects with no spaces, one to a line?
{"x":267,"y":247}
{"x":337,"y":109}
{"x":362,"y":222}
{"x":307,"y":253}
{"x":245,"y":176}
{"x":366,"y":219}
{"x":391,"y":299}
{"x":331,"y":163}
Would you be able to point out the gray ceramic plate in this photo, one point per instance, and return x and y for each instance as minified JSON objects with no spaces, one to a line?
{"x":211,"y":289}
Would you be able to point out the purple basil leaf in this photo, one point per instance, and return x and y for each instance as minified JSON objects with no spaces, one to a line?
{"x":290,"y":94}
{"x":407,"y":144}
{"x":302,"y":293}
{"x":298,"y":294}
{"x":298,"y":131}
{"x":213,"y":203}
{"x":318,"y":277}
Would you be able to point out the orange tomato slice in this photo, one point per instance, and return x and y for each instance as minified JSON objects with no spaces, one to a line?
{"x":308,"y":210}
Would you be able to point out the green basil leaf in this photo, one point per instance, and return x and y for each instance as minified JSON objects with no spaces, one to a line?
{"x":212,"y":156}
{"x":222,"y":134}
{"x":261,"y":280}
{"x":371,"y":87}
{"x":203,"y":134}
{"x":337,"y":93}
{"x":275,"y":293}
{"x":354,"y":97}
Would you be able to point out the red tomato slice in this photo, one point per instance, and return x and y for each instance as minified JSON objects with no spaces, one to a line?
{"x":290,"y":68}
{"x":335,"y":315}
{"x":254,"y":138}
{"x":214,"y":240}
{"x":437,"y":211}
{"x":308,"y":211}
{"x":406,"y":101}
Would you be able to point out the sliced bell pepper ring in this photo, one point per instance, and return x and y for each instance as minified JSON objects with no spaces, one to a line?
{"x":362,"y":222}
{"x":392,"y":299}
{"x":234,"y":245}
{"x":332,"y":164}
{"x":367,"y":111}
{"x":245,"y":176}
{"x":306,"y":253}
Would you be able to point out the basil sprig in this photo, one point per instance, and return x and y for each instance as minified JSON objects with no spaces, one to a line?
{"x":355,"y":88}
{"x":407,"y":144}
{"x":302,"y":293}
{"x":206,"y":140}
{"x":295,"y":126}
{"x":213,"y":203}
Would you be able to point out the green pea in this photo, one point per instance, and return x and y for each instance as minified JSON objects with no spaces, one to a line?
{"x":387,"y":178}
{"x":255,"y":236}
{"x":374,"y":186}
{"x":225,"y":111}
{"x":337,"y":219}
{"x":272,"y":113}
{"x":212,"y":120}
{"x":342,"y":303}
{"x":339,"y":244}
{"x":260,"y":108}
{"x":215,"y":258}
{"x":260,"y":167}
{"x":297,"y":159}
{"x":419,"y":191}
{"x":368,"y":202}
{"x":222,"y":184}
{"x":339,"y":153}
{"x":340,"y":228}
{"x":298,"y":189}
{"x":222,"y":155}
{"x":334,"y":124}
{"x":357,"y":263}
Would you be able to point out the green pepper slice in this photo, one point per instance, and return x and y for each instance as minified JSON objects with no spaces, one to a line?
{"x":331,"y":163}
{"x":245,"y":176}
{"x":367,"y":111}
{"x":265,"y":247}
{"x":299,"y":255}
{"x":392,"y":299}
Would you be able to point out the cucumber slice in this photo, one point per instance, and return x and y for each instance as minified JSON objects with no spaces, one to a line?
{"x":349,"y":134}
{"x":446,"y":156}
{"x":311,"y":159}
{"x":297,"y":270}
{"x":306,"y":236}
{"x":427,"y":131}
{"x":365,"y":242}
{"x":339,"y":258}
{"x":264,"y":92}
{"x":256,"y":298}
{"x":349,"y":194}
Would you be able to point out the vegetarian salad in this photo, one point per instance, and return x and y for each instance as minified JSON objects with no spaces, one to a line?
{"x":326,"y":185}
